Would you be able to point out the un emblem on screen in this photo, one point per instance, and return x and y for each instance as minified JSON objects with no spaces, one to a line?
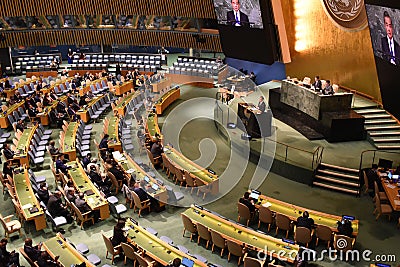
{"x":347,"y":14}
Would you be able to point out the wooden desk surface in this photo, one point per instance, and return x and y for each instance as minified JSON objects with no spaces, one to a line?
{"x":123,"y":88}
{"x":83,"y":112}
{"x":393,"y":193}
{"x":120,"y":107}
{"x":167,"y":99}
{"x":130,"y":167}
{"x":154,"y":247}
{"x":22,"y":147}
{"x":57,"y":246}
{"x":293,"y":212}
{"x":184,"y":163}
{"x":26,"y":197}
{"x":83,"y":183}
{"x":69,"y":140}
{"x":152,"y":126}
{"x":253,"y":240}
{"x":112,"y":131}
{"x":4,"y":123}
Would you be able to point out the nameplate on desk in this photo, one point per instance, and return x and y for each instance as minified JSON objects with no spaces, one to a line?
{"x":348,"y":217}
{"x":198,"y":206}
{"x":288,"y":241}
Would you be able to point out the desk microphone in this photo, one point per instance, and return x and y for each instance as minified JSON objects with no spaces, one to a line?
{"x":157,"y":246}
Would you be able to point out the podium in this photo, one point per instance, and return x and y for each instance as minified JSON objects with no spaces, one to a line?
{"x":254,"y":122}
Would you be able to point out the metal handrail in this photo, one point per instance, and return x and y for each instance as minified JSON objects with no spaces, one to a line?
{"x":374,"y":154}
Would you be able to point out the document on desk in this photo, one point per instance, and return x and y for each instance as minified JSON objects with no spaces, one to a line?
{"x":397,"y":202}
{"x":391,"y":186}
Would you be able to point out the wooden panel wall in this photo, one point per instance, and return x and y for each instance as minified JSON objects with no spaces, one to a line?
{"x":110,"y":37}
{"x":318,"y":47}
{"x":186,"y":8}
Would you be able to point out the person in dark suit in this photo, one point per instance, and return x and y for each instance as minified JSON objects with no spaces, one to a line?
{"x":43,"y":193}
{"x":345,"y":228}
{"x":305,"y":221}
{"x":118,"y":233}
{"x":46,"y":261}
{"x":7,"y":169}
{"x":8,"y":153}
{"x":140,"y":192}
{"x":317,"y":84}
{"x":81,"y":204}
{"x":56,"y":208}
{"x":156,"y":149}
{"x":20,"y":125}
{"x":261,"y":104}
{"x":246,"y":201}
{"x":33,"y":252}
{"x":60,"y":166}
{"x":390,"y":48}
{"x":8,"y":258}
{"x":235,"y":17}
{"x":373,"y":176}
{"x":72,"y":113}
{"x":328,"y":90}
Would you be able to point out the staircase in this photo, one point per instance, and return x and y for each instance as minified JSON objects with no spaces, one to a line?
{"x":383,"y":131}
{"x":337,"y":178}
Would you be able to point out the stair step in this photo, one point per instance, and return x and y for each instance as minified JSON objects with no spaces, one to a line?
{"x":393,"y":146}
{"x":340,"y":168}
{"x":377,"y":116}
{"x":383,"y":127}
{"x":382,"y":121}
{"x":370,"y":111}
{"x":338,"y":174}
{"x":386,"y":140}
{"x":386,"y":133}
{"x":336,"y":181}
{"x":336,"y":188}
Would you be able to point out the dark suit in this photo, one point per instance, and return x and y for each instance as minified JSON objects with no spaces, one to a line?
{"x":305,"y":222}
{"x":118,"y":236}
{"x":56,"y":209}
{"x":317,"y":85}
{"x":8,"y":153}
{"x":141,"y":194}
{"x":32,"y":252}
{"x":248,"y":204}
{"x":261,"y":106}
{"x":60,"y":166}
{"x":244,"y":19}
{"x":386,"y":51}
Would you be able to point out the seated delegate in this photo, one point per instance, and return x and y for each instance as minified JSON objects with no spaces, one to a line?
{"x":305,"y":221}
{"x":247,"y":201}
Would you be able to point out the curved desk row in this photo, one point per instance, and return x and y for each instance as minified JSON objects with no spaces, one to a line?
{"x":4,"y":122}
{"x":131,"y":168}
{"x":251,"y":239}
{"x":112,"y":131}
{"x":199,"y":173}
{"x":167,"y":99}
{"x":27,"y":200}
{"x":22,"y":147}
{"x":152,"y":127}
{"x":69,"y":256}
{"x":84,"y":89}
{"x":67,"y":143}
{"x":123,"y":88}
{"x":83,"y":112}
{"x":10,"y":92}
{"x":120,"y":108}
{"x":293,"y":212}
{"x":154,"y":247}
{"x":161,"y":85}
{"x":83,"y":184}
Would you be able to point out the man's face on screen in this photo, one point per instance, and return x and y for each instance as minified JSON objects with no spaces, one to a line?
{"x":389,"y":27}
{"x":235,"y":5}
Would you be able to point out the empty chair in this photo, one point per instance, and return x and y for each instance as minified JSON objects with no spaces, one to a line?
{"x":82,"y":217}
{"x":10,"y":226}
{"x":235,"y":249}
{"x":324,"y":233}
{"x":167,"y":240}
{"x":382,"y":209}
{"x":252,"y":262}
{"x":217,"y":241}
{"x":56,"y":222}
{"x":94,"y":259}
{"x":188,"y":226}
{"x":283,"y":222}
{"x":265,"y":216}
{"x":129,"y":252}
{"x":203,"y":233}
{"x":382,"y":195}
{"x":343,"y":243}
{"x":143,"y":262}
